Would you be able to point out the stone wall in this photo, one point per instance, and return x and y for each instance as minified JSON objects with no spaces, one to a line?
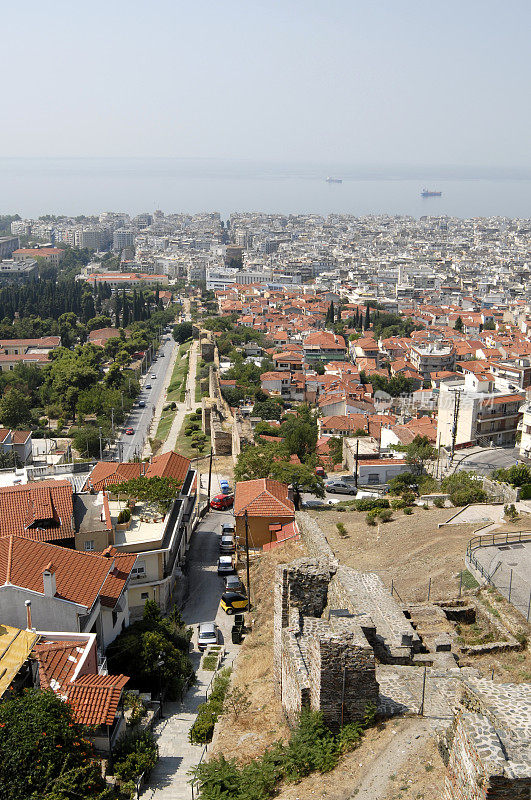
{"x":500,"y":491}
{"x":313,"y":537}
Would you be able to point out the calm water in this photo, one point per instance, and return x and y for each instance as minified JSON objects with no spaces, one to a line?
{"x":69,"y":186}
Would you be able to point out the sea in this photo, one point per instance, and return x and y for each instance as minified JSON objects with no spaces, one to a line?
{"x":32,"y":187}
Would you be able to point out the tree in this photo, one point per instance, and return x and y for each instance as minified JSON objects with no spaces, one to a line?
{"x":330,"y":315}
{"x":418,"y":452}
{"x":153,"y":651}
{"x":43,"y":750}
{"x":183,"y":332}
{"x":15,"y":409}
{"x":517,"y":475}
{"x":300,"y":433}
{"x":86,"y":441}
{"x":335,"y":449}
{"x":367,"y":323}
{"x":267,"y":409}
{"x":271,"y":460}
{"x":458,"y":324}
{"x":158,"y":491}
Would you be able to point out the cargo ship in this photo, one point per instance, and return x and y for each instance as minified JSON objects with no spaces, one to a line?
{"x":428,"y":193}
{"x":334,"y":180}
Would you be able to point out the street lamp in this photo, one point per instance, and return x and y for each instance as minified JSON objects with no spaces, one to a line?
{"x":160,"y":664}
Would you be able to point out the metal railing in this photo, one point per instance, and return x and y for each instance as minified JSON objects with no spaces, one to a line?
{"x":511,"y":584}
{"x":493,"y":539}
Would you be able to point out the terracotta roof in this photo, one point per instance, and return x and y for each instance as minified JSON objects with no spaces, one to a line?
{"x":42,"y":511}
{"x":58,"y":662}
{"x":262,"y":498}
{"x":94,"y":698}
{"x":80,"y":577}
{"x":169,"y":465}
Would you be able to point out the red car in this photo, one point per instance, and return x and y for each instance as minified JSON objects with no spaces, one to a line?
{"x":222,"y":501}
{"x":129,"y":431}
{"x":319,"y":471}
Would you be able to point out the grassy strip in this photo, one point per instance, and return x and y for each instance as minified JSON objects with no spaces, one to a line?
{"x":208,"y":713}
{"x":177,"y":384}
{"x":184,"y":444}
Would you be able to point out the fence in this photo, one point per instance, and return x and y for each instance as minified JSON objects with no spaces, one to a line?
{"x":512,"y":578}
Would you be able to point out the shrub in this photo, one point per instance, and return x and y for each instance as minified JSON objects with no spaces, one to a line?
{"x":341,"y":529}
{"x":368,"y":503}
{"x":312,"y":747}
{"x":525,"y":491}
{"x":203,"y":728}
{"x":210,"y":661}
{"x":173,"y":405}
{"x":438,"y":502}
{"x":408,"y":510}
{"x":385,"y":514}
{"x":464,"y":488}
{"x":124,"y":515}
{"x":398,"y":502}
{"x":370,"y":519}
{"x":510,"y":511}
{"x":134,"y":755}
{"x":408,"y":498}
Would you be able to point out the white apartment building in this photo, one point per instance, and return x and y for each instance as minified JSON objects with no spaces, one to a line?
{"x":472,"y":411}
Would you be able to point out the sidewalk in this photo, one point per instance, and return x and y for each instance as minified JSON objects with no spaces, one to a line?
{"x":169,"y":779}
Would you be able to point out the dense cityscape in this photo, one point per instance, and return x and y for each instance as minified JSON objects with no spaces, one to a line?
{"x":265,"y":478}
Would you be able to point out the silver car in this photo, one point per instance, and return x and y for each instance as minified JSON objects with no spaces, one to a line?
{"x":226,"y":565}
{"x":207,"y":634}
{"x":340,"y":487}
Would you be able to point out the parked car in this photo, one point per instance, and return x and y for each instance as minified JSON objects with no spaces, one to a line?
{"x":226,"y":528}
{"x":222,"y":501}
{"x":224,"y":486}
{"x":153,"y":377}
{"x":234,"y":584}
{"x":207,"y":634}
{"x":340,"y":487}
{"x":147,"y":386}
{"x":320,"y":472}
{"x":141,"y":403}
{"x":227,"y":544}
{"x":225,"y":565}
{"x":313,"y":503}
{"x":129,"y":431}
{"x":231,"y":602}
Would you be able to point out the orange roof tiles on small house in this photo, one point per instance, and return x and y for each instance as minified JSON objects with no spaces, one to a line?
{"x":94,"y":698}
{"x":262,"y":497}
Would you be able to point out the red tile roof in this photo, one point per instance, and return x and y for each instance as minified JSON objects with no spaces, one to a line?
{"x":42,"y":511}
{"x":263,"y":498}
{"x":94,"y":698}
{"x":80,"y":577}
{"x":169,"y":465}
{"x":58,"y":662}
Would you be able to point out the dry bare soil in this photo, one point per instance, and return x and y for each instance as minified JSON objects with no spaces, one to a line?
{"x":409,"y":550}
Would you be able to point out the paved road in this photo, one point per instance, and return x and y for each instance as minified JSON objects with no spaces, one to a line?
{"x":489,"y":459}
{"x":169,"y":779}
{"x":127,"y":447}
{"x":509,"y":566}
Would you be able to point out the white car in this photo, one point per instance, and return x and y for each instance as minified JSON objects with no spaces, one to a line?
{"x":207,"y":634}
{"x":226,"y":565}
{"x":153,"y":377}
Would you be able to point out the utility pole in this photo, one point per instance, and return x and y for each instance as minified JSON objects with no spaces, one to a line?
{"x":247,"y":554}
{"x":112,"y":422}
{"x":456,"y":417}
{"x":210,"y":473}
{"x":101,"y":447}
{"x":356,"y":463}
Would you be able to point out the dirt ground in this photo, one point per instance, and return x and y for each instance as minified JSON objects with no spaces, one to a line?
{"x":263,"y":723}
{"x":409,"y":550}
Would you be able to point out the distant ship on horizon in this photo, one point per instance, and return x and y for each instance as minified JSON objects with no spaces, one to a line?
{"x":429,"y":193}
{"x":334,"y":180}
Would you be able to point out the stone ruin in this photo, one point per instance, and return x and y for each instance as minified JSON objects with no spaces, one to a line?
{"x":342,"y":643}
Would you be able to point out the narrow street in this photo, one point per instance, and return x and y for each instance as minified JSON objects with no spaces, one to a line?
{"x":169,"y":779}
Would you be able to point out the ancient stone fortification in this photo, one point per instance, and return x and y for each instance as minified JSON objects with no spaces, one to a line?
{"x":341,"y":643}
{"x":489,"y":755}
{"x":322,"y":662}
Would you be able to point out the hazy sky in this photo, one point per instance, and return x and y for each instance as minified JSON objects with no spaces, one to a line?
{"x":352,"y":81}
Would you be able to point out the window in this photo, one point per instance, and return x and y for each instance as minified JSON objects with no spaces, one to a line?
{"x":144,"y":595}
{"x":139,"y":570}
{"x":89,"y":545}
{"x":114,"y":618}
{"x":373,"y":477}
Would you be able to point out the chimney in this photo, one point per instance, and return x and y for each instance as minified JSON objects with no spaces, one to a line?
{"x":48,"y":580}
{"x":28,"y":615}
